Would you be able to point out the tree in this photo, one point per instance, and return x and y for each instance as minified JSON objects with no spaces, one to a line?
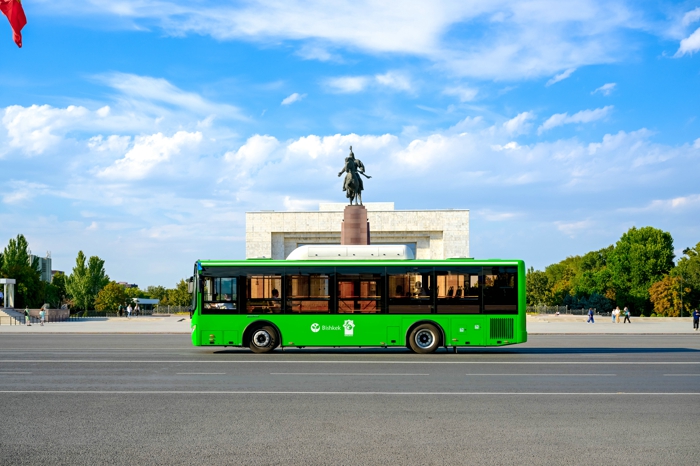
{"x":16,"y":264}
{"x":641,"y":258}
{"x":133,"y":292}
{"x":158,"y":292}
{"x":179,"y":296}
{"x":537,"y":285}
{"x":688,"y":270}
{"x":86,"y":281}
{"x":666,"y":297}
{"x":110,"y":297}
{"x":59,"y":283}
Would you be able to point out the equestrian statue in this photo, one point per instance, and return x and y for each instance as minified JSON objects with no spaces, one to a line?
{"x":353,"y":182}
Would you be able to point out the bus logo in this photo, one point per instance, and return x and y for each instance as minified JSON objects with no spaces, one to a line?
{"x":349,"y":327}
{"x":315,"y":327}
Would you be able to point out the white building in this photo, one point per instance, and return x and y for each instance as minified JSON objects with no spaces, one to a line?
{"x":431,"y":234}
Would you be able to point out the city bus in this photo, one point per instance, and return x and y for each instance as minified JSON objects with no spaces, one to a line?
{"x":360,"y":296}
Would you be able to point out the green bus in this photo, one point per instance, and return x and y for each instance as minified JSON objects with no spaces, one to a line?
{"x":335,"y":296}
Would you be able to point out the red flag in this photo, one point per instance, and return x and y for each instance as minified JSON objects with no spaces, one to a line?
{"x":15,"y":13}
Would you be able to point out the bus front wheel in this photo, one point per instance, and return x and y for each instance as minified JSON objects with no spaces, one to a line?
{"x":424,"y":339}
{"x":264,"y":339}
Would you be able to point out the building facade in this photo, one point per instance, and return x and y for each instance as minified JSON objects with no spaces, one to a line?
{"x":44,"y":266}
{"x":431,"y":234}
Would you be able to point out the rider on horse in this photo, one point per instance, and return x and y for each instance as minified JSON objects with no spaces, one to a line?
{"x":353,"y":185}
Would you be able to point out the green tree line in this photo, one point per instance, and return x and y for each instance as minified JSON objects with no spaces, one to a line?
{"x":638,"y":272}
{"x":87,"y":287}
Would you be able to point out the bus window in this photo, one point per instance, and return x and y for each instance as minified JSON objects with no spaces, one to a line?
{"x":500,"y":290}
{"x":360,"y":293}
{"x":308,"y":293}
{"x":458,"y":290}
{"x":409,"y":292}
{"x":219,"y":296}
{"x":263,"y":294}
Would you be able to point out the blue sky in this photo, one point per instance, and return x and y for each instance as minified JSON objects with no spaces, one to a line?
{"x":141,"y":131}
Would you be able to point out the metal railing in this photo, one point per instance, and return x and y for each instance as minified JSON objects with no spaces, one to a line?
{"x":543,"y":309}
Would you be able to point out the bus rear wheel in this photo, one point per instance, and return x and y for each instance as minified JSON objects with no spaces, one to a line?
{"x":424,"y":339}
{"x":264,"y":339}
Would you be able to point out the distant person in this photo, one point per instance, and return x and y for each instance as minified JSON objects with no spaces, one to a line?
{"x":137,"y":310}
{"x":590,"y":316}
{"x":626,"y":312}
{"x":27,"y":317}
{"x":615,"y":313}
{"x":120,"y":310}
{"x":42,"y":313}
{"x":128,"y":311}
{"x":2,"y":299}
{"x":696,"y":319}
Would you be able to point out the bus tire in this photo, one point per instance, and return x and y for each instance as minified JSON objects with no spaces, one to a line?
{"x":263,"y":339}
{"x":425,"y":338}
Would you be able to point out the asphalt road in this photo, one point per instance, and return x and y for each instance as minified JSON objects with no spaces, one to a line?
{"x":154,"y":399}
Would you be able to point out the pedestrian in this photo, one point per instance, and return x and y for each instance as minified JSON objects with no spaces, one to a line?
{"x":120,"y":310}
{"x":590,"y":316}
{"x":137,"y":309}
{"x":42,"y":313}
{"x":128,"y":311}
{"x":696,"y":319}
{"x":627,"y":315}
{"x":616,"y":315}
{"x":27,"y":319}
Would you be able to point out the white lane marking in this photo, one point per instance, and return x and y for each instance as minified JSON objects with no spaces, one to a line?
{"x":344,"y":373}
{"x":258,"y":361}
{"x":551,"y":375}
{"x":681,"y":375}
{"x":252,"y":392}
{"x":201,"y":373}
{"x":4,"y":373}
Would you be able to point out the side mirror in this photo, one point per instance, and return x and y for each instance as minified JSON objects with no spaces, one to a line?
{"x":190,"y":285}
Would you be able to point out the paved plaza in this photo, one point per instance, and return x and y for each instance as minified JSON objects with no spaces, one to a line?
{"x":542,"y":324}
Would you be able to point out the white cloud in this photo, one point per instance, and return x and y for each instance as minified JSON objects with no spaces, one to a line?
{"x":336,"y":146}
{"x":147,"y":153}
{"x":516,"y":39}
{"x":676,"y":204}
{"x":572,"y":229}
{"x":296,"y":97}
{"x":691,"y":17}
{"x":347,"y":84}
{"x":510,"y":146}
{"x":39,"y":127}
{"x":560,"y":77}
{"x":152,"y":90}
{"x":16,"y":192}
{"x":689,"y":45}
{"x":112,"y":143}
{"x":394,"y":80}
{"x":584,"y":116}
{"x":519,"y":124}
{"x":353,"y":84}
{"x":494,"y":216}
{"x":605,"y":89}
{"x":465,"y":94}
{"x":696,"y":144}
{"x":252,"y":155}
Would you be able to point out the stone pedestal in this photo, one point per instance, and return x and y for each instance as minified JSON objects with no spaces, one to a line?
{"x":355,"y":227}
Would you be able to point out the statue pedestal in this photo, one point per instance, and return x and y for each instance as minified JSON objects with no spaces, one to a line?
{"x":355,"y":227}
